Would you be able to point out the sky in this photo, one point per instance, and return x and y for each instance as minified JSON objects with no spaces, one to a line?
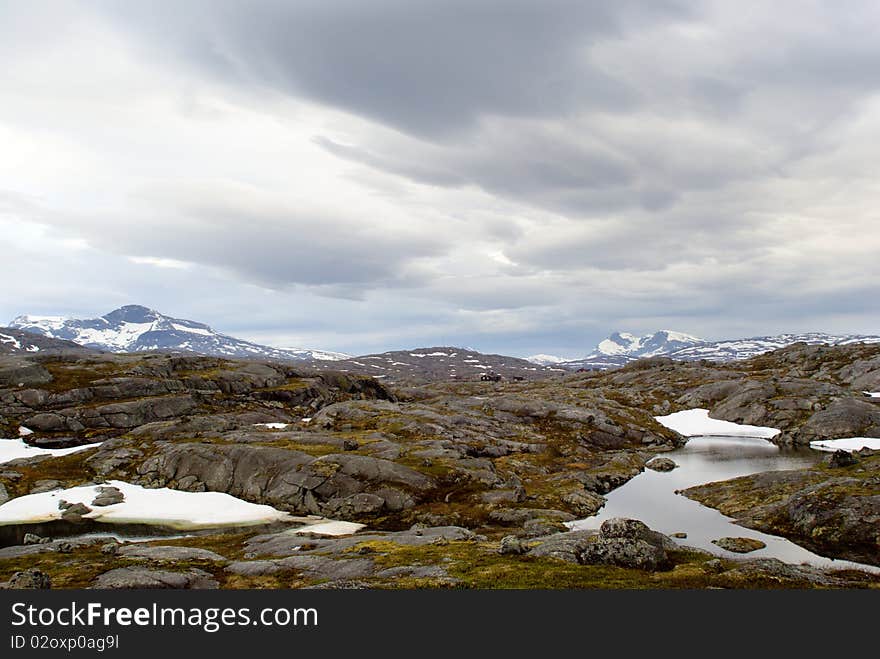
{"x":518,"y":177}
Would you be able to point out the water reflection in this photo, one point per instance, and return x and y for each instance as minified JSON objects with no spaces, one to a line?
{"x":651,"y":496}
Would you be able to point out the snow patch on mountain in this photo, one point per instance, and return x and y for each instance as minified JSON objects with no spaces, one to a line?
{"x":621,"y":348}
{"x":134,"y":328}
{"x":546,"y":360}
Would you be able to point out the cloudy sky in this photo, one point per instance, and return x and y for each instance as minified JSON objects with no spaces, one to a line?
{"x":519,"y":177}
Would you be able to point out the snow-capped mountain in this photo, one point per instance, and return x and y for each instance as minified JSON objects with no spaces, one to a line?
{"x":621,"y":348}
{"x":735,"y":349}
{"x":546,"y":360}
{"x":319,"y":355}
{"x":135,"y":328}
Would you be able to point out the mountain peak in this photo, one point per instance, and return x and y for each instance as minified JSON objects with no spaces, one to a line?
{"x":133,"y":313}
{"x":136,"y":328}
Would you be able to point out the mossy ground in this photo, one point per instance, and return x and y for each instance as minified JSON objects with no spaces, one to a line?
{"x":468,"y":564}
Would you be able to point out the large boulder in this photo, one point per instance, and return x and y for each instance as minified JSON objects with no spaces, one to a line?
{"x":620,"y":542}
{"x":338,"y":484}
{"x":846,"y":417}
{"x":31,"y":579}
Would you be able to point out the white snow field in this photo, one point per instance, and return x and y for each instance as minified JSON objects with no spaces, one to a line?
{"x":12,"y":449}
{"x":696,"y":423}
{"x":164,"y":507}
{"x":847,"y":444}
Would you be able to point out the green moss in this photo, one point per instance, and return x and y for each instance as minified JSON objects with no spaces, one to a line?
{"x":66,"y":376}
{"x":70,"y":470}
{"x":478,"y":565}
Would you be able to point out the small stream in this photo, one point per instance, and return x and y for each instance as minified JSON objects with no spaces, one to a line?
{"x":650,"y":497}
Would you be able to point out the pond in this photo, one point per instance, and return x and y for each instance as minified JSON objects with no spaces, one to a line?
{"x":651,"y":498}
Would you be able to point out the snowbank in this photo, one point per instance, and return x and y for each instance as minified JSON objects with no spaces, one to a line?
{"x":180,"y":510}
{"x":695,"y":423}
{"x":273,"y":426}
{"x":12,"y":449}
{"x":329,"y":527}
{"x":164,"y":507}
{"x":847,"y":444}
{"x":873,"y":394}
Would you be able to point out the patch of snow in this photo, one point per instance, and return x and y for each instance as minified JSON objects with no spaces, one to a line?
{"x":24,"y":432}
{"x":873,"y":394}
{"x":544,"y":360}
{"x":847,"y":444}
{"x":12,"y":449}
{"x":696,"y":423}
{"x":120,"y":338}
{"x":329,"y":527}
{"x":5,"y":338}
{"x":192,"y":330}
{"x":48,"y":322}
{"x":306,"y":419}
{"x":274,"y":426}
{"x":682,"y":337}
{"x":162,"y":506}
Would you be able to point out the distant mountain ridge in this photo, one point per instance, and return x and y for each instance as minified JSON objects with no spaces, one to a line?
{"x":440,"y":363}
{"x":20,"y":342}
{"x":134,"y":328}
{"x":621,"y":348}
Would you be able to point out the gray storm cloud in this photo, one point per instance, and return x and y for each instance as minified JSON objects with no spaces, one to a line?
{"x":533,"y":174}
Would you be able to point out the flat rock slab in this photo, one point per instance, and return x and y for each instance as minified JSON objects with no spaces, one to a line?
{"x":739,"y":545}
{"x":17,"y":551}
{"x":169,"y":553}
{"x":312,"y":567}
{"x":288,"y":542}
{"x":127,"y":578}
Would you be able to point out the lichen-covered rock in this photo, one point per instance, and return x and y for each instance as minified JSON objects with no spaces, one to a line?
{"x":31,"y":579}
{"x":510,"y":544}
{"x":628,"y":543}
{"x":568,"y":547}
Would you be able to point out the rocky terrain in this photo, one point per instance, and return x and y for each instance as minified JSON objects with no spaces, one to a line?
{"x":460,"y":483}
{"x":832,"y":509}
{"x":19,"y":342}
